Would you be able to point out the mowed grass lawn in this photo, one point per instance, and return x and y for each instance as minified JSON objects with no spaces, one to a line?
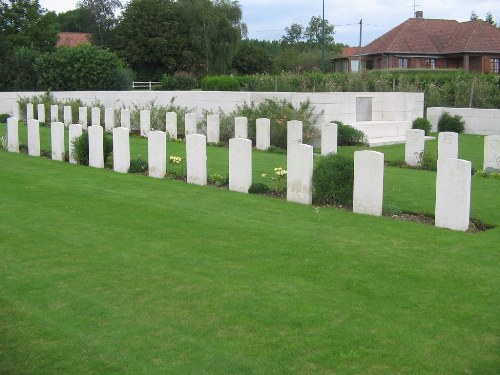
{"x":104,"y":273}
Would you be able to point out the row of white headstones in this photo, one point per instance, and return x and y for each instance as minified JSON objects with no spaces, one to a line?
{"x":453,"y":184}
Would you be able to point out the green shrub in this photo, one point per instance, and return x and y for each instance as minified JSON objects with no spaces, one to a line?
{"x":349,"y":136}
{"x":391,"y":210}
{"x":333,"y":180}
{"x":179,"y":81}
{"x":429,"y":161}
{"x":220,"y":83}
{"x":449,"y":123}
{"x":423,"y":124}
{"x":138,"y":165}
{"x":81,"y":148}
{"x":4,"y":117}
{"x":259,"y":188}
{"x":218,"y":180}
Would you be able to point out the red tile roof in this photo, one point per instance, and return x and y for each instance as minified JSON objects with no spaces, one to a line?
{"x":428,"y":36}
{"x":72,"y":39}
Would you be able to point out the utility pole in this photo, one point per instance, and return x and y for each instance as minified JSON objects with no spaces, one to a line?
{"x":359,"y":48}
{"x":323,"y":40}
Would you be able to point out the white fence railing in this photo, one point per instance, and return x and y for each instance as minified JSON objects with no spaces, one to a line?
{"x":144,"y":85}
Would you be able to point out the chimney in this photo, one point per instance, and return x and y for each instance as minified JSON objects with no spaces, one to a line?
{"x":419,"y":14}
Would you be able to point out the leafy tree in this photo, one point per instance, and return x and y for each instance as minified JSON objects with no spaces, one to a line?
{"x":103,"y":16}
{"x":76,"y":20}
{"x":252,"y":58}
{"x":319,"y":32}
{"x":474,"y":16}
{"x":489,"y":19}
{"x":17,"y":72}
{"x":294,"y":34}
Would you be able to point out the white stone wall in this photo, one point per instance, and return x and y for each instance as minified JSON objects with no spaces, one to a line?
{"x":477,"y":121}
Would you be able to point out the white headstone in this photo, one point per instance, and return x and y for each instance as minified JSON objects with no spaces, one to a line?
{"x":491,"y":152}
{"x":15,"y":110}
{"x":368,"y":192}
{"x":12,"y":134}
{"x":125,"y":118}
{"x":196,"y":159}
{"x":96,"y":147}
{"x":75,"y":131}
{"x":57,"y":140}
{"x":263,"y":134}
{"x":157,"y":154}
{"x":121,"y":150}
{"x":240,"y":164}
{"x":109,"y":119}
{"x":96,"y":116}
{"x":241,"y":127}
{"x":329,"y":135}
{"x":33,"y":137}
{"x":54,"y":113}
{"x":29,"y":111}
{"x":213,"y":128}
{"x":448,"y":145}
{"x":299,"y":161}
{"x":40,"y":109}
{"x":453,"y":189}
{"x":145,"y":119}
{"x":68,"y":115}
{"x":82,"y":117}
{"x":171,"y":124}
{"x":190,"y":125}
{"x":414,"y":147}
{"x":294,"y":133}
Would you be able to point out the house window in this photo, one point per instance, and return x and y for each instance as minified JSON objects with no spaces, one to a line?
{"x":495,"y":66}
{"x":403,"y":63}
{"x":431,"y":63}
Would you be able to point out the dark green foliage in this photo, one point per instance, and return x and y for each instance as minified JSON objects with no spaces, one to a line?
{"x":429,"y":161}
{"x":81,"y":148}
{"x":349,"y":136}
{"x":276,"y":150}
{"x":252,"y":58}
{"x":138,"y":166}
{"x":179,"y":81}
{"x":17,"y":72}
{"x":85,"y":67}
{"x":23,"y":148}
{"x":46,"y":153}
{"x":220,"y":83}
{"x":259,"y":188}
{"x":391,"y":210}
{"x":4,"y":117}
{"x":423,"y":124}
{"x":333,"y":180}
{"x":218,"y":180}
{"x":449,"y":123}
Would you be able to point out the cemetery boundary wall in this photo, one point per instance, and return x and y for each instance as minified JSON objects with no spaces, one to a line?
{"x":477,"y":121}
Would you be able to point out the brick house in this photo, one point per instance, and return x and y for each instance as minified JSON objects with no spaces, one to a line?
{"x":427,"y":43}
{"x":71,"y":39}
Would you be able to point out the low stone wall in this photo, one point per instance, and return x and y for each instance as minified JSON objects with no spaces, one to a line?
{"x":477,"y":121}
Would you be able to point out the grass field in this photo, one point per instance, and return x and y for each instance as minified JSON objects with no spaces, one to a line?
{"x":104,"y":273}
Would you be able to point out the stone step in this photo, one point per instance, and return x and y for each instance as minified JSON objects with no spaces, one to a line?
{"x":386,"y":141}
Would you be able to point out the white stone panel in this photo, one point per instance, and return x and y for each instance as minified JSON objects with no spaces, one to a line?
{"x":299,"y":163}
{"x":109,"y":119}
{"x":263,"y":134}
{"x":54,"y":113}
{"x":453,"y":188}
{"x":33,"y":137}
{"x":448,"y":145}
{"x":157,"y":154}
{"x":40,"y":109}
{"x":213,"y":128}
{"x":240,"y":164}
{"x":241,"y":127}
{"x":121,"y":150}
{"x":145,"y":121}
{"x":190,"y":125}
{"x":125,"y":118}
{"x":368,"y":182}
{"x":196,"y":159}
{"x":329,"y":134}
{"x":294,"y":133}
{"x":171,"y":124}
{"x":67,"y":115}
{"x":57,"y":140}
{"x":12,"y":134}
{"x":96,"y":116}
{"x":491,"y":152}
{"x":75,"y":131}
{"x":414,"y":147}
{"x":82,"y":117}
{"x":29,"y":111}
{"x":96,"y":148}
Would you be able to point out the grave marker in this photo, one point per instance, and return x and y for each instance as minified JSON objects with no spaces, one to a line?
{"x":294,"y":133}
{"x":75,"y":131}
{"x":125,"y":118}
{"x":171,"y":124}
{"x":368,"y":182}
{"x":213,"y":128}
{"x":68,"y":115}
{"x":109,"y":119}
{"x":145,"y":120}
{"x":329,"y":135}
{"x":263,"y":134}
{"x":447,"y":145}
{"x":12,"y":134}
{"x":54,"y":113}
{"x":96,"y":116}
{"x":57,"y":140}
{"x":33,"y":137}
{"x":82,"y":117}
{"x":414,"y":147}
{"x":157,"y":154}
{"x":491,"y":153}
{"x":299,"y":163}
{"x":240,"y":164}
{"x":190,"y":126}
{"x":241,"y":127}
{"x":121,"y":150}
{"x":96,"y":150}
{"x":196,"y":159}
{"x":40,"y":109}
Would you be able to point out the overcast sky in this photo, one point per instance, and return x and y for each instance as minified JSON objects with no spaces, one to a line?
{"x":267,"y":19}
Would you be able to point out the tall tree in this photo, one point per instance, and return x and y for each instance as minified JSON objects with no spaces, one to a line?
{"x":489,"y":19}
{"x":319,"y":32}
{"x":103,"y":16}
{"x":473,"y":16}
{"x":294,"y":34}
{"x":76,"y":20}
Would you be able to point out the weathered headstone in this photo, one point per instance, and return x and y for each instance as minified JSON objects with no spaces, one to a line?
{"x":68,"y":115}
{"x":157,"y":154}
{"x":121,"y":150}
{"x":241,"y":127}
{"x":414,"y":147}
{"x":33,"y":137}
{"x":145,"y":119}
{"x":240,"y":164}
{"x":368,"y":192}
{"x":491,"y":153}
{"x":96,"y":149}
{"x":109,"y":119}
{"x":29,"y":111}
{"x":299,"y":161}
{"x":453,"y":189}
{"x":12,"y":134}
{"x":54,"y":113}
{"x":190,"y":125}
{"x":75,"y":131}
{"x":213,"y":128}
{"x":15,"y":110}
{"x":196,"y":159}
{"x":294,"y":133}
{"x":82,"y":117}
{"x":329,"y":135}
{"x":40,"y":109}
{"x":96,"y":116}
{"x":125,"y":118}
{"x":57,"y":140}
{"x":448,"y":145}
{"x":263,"y":134}
{"x":171,"y":124}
